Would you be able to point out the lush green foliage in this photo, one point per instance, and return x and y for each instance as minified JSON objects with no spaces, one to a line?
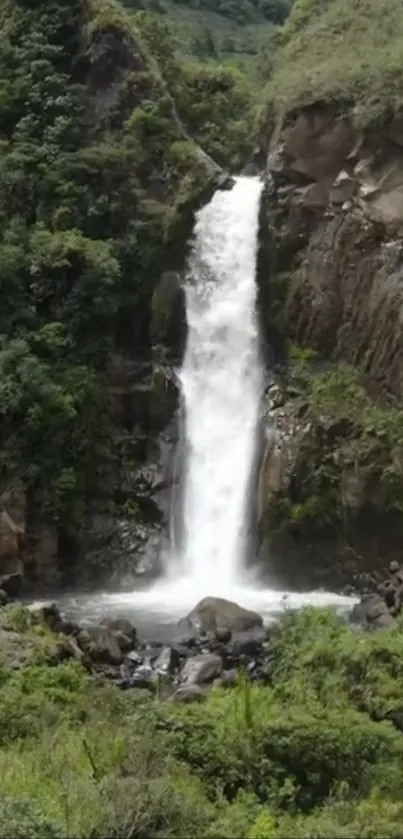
{"x":219,"y":29}
{"x":214,"y":102}
{"x":347,"y":434}
{"x":343,"y":51}
{"x":304,"y":756}
{"x":90,"y":198}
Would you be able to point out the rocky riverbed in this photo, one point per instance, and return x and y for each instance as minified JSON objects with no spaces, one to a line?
{"x":211,"y":645}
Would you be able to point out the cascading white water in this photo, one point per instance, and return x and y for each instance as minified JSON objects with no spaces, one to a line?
{"x":221,"y":381}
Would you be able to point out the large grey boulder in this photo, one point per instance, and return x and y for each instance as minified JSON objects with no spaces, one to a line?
{"x":372,"y":612}
{"x":214,"y":612}
{"x":201,"y":669}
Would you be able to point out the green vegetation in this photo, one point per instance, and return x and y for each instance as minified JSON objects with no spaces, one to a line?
{"x":336,"y":50}
{"x":228,"y":31}
{"x":306,"y":756}
{"x":216,"y":103}
{"x":347,"y":436}
{"x":98,"y":177}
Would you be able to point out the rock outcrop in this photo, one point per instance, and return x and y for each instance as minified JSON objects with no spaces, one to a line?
{"x":379,"y":609}
{"x":338,"y":201}
{"x":331,"y":487}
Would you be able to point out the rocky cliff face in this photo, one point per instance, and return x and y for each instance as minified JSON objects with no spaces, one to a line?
{"x":331,"y":484}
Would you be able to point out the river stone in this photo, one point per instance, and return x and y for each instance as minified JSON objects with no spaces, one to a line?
{"x":247,"y":643}
{"x":229,"y":678}
{"x":188,"y":693}
{"x":223,"y":634}
{"x":201,"y":669}
{"x":373,"y":612}
{"x":214,"y":612}
{"x":104,"y":646}
{"x":122,"y":625}
{"x":142,"y":678}
{"x":167,"y":661}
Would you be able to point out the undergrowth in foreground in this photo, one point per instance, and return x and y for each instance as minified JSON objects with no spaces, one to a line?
{"x":301,"y":757}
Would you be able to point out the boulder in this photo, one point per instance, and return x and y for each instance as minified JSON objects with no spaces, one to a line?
{"x":103,"y":646}
{"x":201,"y":669}
{"x":223,"y":634}
{"x":167,"y":661}
{"x":143,"y":678}
{"x":247,"y":643}
{"x":11,"y":584}
{"x":3,"y":597}
{"x":121,"y":625}
{"x":214,"y":612}
{"x":372,"y":612}
{"x":229,"y":678}
{"x":188,"y":693}
{"x":49,"y":615}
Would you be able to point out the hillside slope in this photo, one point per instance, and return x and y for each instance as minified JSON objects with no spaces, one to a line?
{"x":224,"y":30}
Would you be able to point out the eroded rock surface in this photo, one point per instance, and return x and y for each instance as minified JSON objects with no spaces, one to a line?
{"x":337,"y":198}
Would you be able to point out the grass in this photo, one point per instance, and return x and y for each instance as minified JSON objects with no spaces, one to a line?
{"x":300,"y":757}
{"x":343,"y":51}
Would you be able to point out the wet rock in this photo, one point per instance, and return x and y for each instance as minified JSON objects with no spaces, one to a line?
{"x":188,"y":693}
{"x":248,"y":643}
{"x":229,"y":678}
{"x":49,"y":615}
{"x":223,"y":634}
{"x":201,"y":669}
{"x":373,"y":612}
{"x":163,"y":398}
{"x":134,"y":657}
{"x":121,"y":625}
{"x":143,"y":678}
{"x":103,"y":646}
{"x":214,"y":612}
{"x":394,"y":567}
{"x":125,"y":643}
{"x":168,"y":314}
{"x":3,"y":597}
{"x":167,"y":661}
{"x":11,"y":584}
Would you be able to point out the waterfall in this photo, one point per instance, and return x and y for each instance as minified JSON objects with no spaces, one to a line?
{"x":221,"y":380}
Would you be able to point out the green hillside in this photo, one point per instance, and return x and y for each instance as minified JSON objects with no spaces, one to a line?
{"x":224,"y":29}
{"x":342,"y":50}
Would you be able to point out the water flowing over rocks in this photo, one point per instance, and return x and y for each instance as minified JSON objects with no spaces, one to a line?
{"x":182,"y":670}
